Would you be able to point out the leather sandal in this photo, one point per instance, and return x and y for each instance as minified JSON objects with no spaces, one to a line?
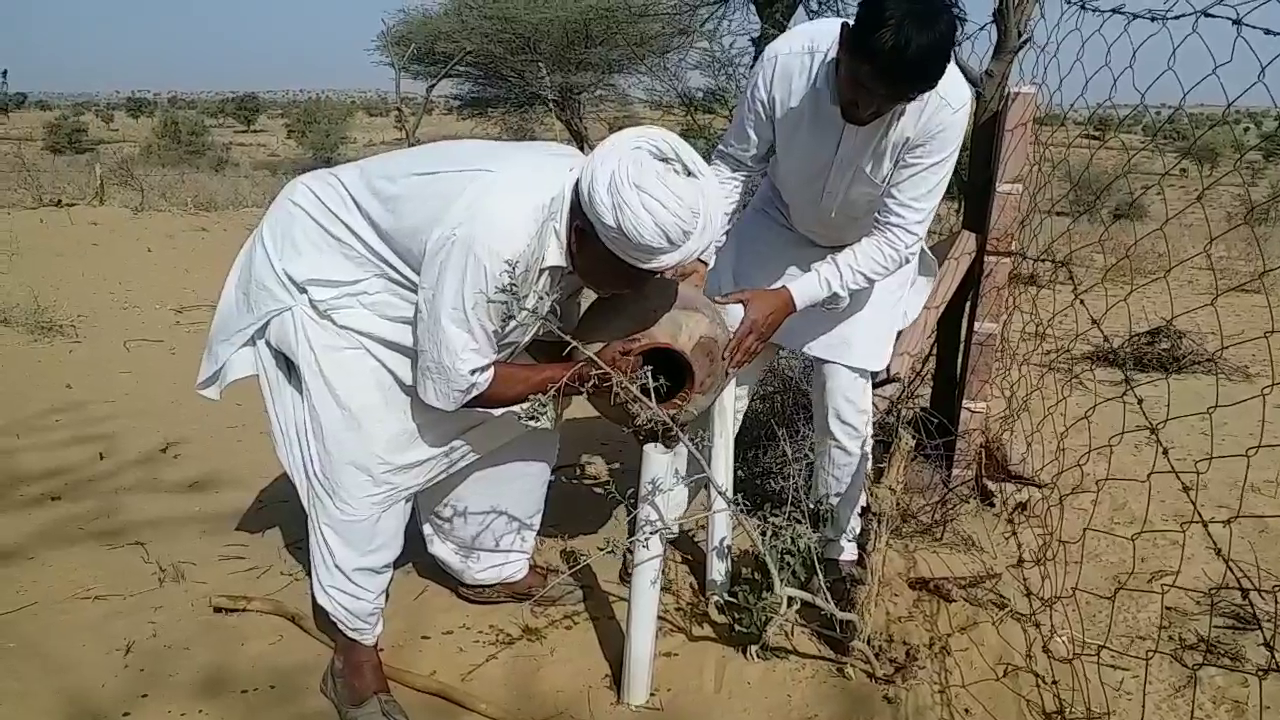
{"x":553,"y":593}
{"x":382,"y":706}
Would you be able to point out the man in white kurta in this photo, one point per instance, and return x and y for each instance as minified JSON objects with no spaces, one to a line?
{"x":384,"y":306}
{"x":857,"y":128}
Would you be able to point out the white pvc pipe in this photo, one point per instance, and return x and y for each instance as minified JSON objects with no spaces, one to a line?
{"x":720,"y":520}
{"x":645,"y":595}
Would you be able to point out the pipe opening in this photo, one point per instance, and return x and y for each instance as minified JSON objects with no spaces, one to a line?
{"x":670,"y":373}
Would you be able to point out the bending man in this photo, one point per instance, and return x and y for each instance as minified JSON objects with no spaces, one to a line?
{"x":857,"y":127}
{"x":385,"y":305}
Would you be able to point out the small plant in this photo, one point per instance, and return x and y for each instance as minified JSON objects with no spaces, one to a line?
{"x":1270,"y":146}
{"x":175,"y":101}
{"x":1209,"y":149}
{"x":1264,"y":212}
{"x":181,"y":138}
{"x":245,"y":109}
{"x":14,"y":101}
{"x":1128,"y":206}
{"x":137,"y":107}
{"x":376,"y":107}
{"x":37,"y":320}
{"x":106,"y":116}
{"x":1105,"y":123}
{"x":319,"y":126}
{"x":1089,"y":192}
{"x":67,"y":135}
{"x":1051,"y":119}
{"x":1173,"y":129}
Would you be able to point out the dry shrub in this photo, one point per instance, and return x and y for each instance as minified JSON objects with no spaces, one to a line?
{"x":38,"y":320}
{"x":1089,"y":192}
{"x":1129,"y":206}
{"x":1162,"y":350}
{"x":773,"y":461}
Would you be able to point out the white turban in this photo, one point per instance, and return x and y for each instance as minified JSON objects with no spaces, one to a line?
{"x":650,"y":197}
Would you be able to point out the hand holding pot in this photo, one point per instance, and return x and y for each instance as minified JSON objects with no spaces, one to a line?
{"x":763,"y":312}
{"x":618,"y":356}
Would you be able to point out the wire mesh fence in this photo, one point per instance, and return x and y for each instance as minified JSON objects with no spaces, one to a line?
{"x":1117,"y":556}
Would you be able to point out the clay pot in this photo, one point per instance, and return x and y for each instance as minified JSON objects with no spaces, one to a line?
{"x":682,"y":340}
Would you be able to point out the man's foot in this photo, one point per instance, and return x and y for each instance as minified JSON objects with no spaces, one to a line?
{"x":841,"y":578}
{"x":378,"y":706}
{"x":536,"y":587}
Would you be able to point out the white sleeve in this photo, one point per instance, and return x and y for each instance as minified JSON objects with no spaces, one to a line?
{"x":898,"y":231}
{"x":746,"y":148}
{"x":457,"y":322}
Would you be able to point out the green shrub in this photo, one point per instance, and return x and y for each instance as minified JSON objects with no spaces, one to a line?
{"x":181,"y":138}
{"x":1210,"y":148}
{"x":137,"y":107}
{"x":245,"y":109}
{"x":67,"y":135}
{"x":319,"y":127}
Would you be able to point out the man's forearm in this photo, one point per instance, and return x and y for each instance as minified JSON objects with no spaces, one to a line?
{"x":514,"y":383}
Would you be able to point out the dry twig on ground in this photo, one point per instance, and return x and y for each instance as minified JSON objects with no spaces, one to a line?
{"x":1163,"y":350}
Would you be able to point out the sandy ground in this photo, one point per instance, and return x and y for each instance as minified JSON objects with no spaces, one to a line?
{"x":128,"y":499}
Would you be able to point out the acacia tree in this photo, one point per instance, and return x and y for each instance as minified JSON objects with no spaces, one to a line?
{"x":524,"y":57}
{"x":699,"y":85}
{"x":245,"y":109}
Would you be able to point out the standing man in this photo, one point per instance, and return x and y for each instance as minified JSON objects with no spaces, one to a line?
{"x":857,"y":127}
{"x":384,"y":305}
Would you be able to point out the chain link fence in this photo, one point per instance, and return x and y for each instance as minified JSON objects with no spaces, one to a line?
{"x":1119,"y":553}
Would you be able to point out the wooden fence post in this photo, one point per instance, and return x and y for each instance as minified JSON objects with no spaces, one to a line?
{"x":1016,"y":124}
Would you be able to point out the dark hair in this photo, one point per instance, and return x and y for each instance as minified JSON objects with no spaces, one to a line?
{"x":906,"y":43}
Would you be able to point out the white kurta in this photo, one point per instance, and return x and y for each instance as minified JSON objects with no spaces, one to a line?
{"x":841,"y":216}
{"x":407,"y":252}
{"x":373,"y":300}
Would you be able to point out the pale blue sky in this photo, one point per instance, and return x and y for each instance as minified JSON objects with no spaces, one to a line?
{"x":91,"y":45}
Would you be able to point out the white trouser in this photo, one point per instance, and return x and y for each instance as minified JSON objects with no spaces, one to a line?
{"x":842,"y":438}
{"x":480,"y":522}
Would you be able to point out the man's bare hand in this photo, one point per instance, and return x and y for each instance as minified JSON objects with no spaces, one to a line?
{"x":763,"y":312}
{"x":617,"y":356}
{"x":693,"y":273}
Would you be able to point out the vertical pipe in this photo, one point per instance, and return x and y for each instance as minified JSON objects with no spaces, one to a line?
{"x":645,"y":593}
{"x":720,"y":521}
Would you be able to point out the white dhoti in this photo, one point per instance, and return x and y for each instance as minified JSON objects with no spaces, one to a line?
{"x":358,"y":446}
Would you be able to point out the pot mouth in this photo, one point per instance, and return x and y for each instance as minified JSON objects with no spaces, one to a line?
{"x":671,"y":375}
